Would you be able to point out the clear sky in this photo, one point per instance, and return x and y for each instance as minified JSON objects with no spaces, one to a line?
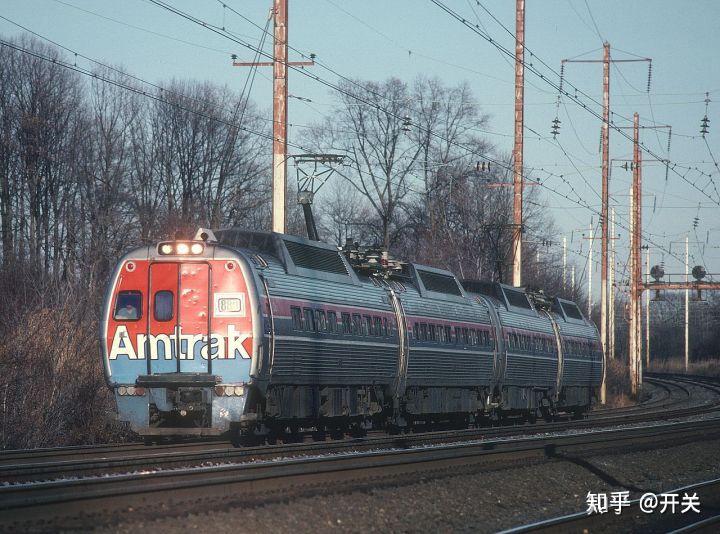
{"x":376,"y":39}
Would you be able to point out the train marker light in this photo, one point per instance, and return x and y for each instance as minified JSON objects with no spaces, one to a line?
{"x":196,"y":248}
{"x":122,"y":390}
{"x":166,"y":248}
{"x":219,"y":391}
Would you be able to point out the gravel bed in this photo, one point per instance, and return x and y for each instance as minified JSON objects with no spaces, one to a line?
{"x":483,"y":501}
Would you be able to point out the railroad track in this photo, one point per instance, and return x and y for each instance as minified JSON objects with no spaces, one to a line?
{"x":115,"y":477}
{"x":79,"y":502}
{"x":58,"y":463}
{"x":114,"y":450}
{"x":708,"y":520}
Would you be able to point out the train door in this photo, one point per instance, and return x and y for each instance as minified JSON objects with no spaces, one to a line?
{"x":178,"y":321}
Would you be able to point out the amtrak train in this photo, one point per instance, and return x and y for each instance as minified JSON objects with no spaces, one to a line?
{"x":253,"y":334}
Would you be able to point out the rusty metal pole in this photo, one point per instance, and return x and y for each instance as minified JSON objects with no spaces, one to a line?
{"x":638,"y":263}
{"x":589,"y":270}
{"x":605,"y":199}
{"x":634,"y":341}
{"x":647,"y":309}
{"x":518,"y":148}
{"x":611,"y":283}
{"x":280,"y":98}
{"x":687,"y":305}
{"x":564,"y":260}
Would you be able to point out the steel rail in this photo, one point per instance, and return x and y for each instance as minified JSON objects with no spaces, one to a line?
{"x":72,"y":501}
{"x":583,"y":522}
{"x":20,"y":456}
{"x":151,"y":458}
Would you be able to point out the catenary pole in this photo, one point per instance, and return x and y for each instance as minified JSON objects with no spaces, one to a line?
{"x":518,"y":146}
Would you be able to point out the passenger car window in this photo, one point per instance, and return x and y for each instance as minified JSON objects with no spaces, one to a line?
{"x":367,"y":326}
{"x":309,"y":319}
{"x":346,"y":328}
{"x":163,"y":306}
{"x":320,"y":320}
{"x":128,"y":306}
{"x":357,"y":324}
{"x":296,"y":315}
{"x":423,"y":332}
{"x":331,"y":322}
{"x":378,"y":326}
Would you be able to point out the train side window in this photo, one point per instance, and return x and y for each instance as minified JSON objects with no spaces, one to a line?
{"x":320,"y":320}
{"x":296,"y":315}
{"x":423,"y":332}
{"x":441,"y":334}
{"x":163,"y":305}
{"x":346,"y":325}
{"x":357,"y":324}
{"x":416,"y":331}
{"x":465,"y":336}
{"x":431,"y":333}
{"x":386,"y":332}
{"x":448,"y":334}
{"x":332,"y":322}
{"x":309,"y":319}
{"x":128,"y":306}
{"x":378,"y":326}
{"x":367,"y":326}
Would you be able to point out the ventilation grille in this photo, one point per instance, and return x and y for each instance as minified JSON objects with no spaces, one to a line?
{"x":315,"y":258}
{"x":440,"y":283}
{"x":518,"y":299}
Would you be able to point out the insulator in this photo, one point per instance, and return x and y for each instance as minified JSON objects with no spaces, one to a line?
{"x":555,"y":130}
{"x":705,"y":123}
{"x":562,"y":76}
{"x":669,"y":138}
{"x":649,"y":75}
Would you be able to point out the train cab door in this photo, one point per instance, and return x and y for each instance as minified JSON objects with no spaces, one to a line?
{"x":194,"y":318}
{"x":178,"y":320}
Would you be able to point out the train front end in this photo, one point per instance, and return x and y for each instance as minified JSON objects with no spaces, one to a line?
{"x":180,"y":338}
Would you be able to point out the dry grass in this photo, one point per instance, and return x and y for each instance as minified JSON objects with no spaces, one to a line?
{"x":618,"y":385}
{"x":708,"y":367}
{"x":52,"y":388}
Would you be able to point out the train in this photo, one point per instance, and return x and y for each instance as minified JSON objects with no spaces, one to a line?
{"x":259,"y":335}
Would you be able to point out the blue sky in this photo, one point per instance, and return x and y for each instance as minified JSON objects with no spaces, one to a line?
{"x":375,"y":39}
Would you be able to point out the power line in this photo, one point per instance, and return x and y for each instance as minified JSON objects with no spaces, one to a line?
{"x":317,"y":78}
{"x":534,"y":70}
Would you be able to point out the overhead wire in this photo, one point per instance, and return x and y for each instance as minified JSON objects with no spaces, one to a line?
{"x":531,"y":68}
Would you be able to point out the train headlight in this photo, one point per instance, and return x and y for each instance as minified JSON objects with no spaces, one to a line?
{"x":239,"y":390}
{"x":122,"y":390}
{"x":196,"y":248}
{"x":166,"y":248}
{"x":182,"y":248}
{"x":131,"y":390}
